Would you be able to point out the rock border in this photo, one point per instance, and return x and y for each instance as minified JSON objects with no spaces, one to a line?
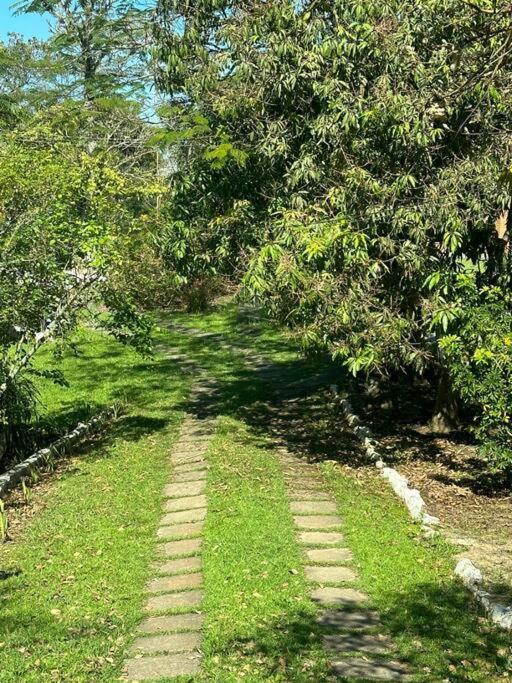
{"x":12,"y":477}
{"x":469,"y":574}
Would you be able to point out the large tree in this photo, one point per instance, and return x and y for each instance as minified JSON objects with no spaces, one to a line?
{"x":101,"y":43}
{"x":375,"y":139}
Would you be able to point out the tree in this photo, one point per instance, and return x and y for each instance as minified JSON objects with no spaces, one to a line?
{"x":376,"y":139}
{"x":68,"y":213}
{"x":101,"y":43}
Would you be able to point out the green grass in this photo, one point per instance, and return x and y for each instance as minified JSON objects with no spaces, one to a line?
{"x":410,"y":580}
{"x":260,"y":622}
{"x":84,"y":559}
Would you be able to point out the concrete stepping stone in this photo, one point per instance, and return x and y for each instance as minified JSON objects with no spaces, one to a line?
{"x":347,"y":643}
{"x":188,"y":458}
{"x":191,"y":466}
{"x":342,"y":597}
{"x":309,"y":507}
{"x":326,"y":575}
{"x":348,"y":620}
{"x":317,"y":521}
{"x":367,"y":670}
{"x":183,"y":564}
{"x":188,"y":546}
{"x":192,"y":621}
{"x":162,"y":666}
{"x":196,"y":475}
{"x":180,"y":530}
{"x":188,"y":503}
{"x":307,"y":494}
{"x":166,"y":601}
{"x":329,"y":555}
{"x":320,"y":537}
{"x":193,"y":488}
{"x":195,"y":515}
{"x":178,"y":582}
{"x":176,"y":642}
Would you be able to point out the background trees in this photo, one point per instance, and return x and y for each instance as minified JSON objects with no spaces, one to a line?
{"x":371,"y":143}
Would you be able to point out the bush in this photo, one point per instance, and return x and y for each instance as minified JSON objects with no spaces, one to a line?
{"x":479,"y":359}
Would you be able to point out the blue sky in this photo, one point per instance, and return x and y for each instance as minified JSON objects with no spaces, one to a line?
{"x":28,"y":25}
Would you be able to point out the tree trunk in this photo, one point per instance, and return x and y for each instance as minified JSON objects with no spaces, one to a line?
{"x":446,"y":411}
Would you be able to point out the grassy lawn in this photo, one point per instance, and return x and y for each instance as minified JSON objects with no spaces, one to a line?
{"x":260,"y":622}
{"x":84,"y":558}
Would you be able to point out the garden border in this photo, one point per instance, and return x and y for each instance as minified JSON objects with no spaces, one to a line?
{"x":12,"y":477}
{"x":469,"y":574}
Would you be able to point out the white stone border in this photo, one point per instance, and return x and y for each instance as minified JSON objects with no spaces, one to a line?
{"x":470,"y":575}
{"x":9,"y":479}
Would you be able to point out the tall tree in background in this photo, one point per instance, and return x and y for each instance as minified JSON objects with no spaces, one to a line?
{"x":372,"y":142}
{"x":102,"y":43}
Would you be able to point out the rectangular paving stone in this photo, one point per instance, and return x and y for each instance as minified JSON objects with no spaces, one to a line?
{"x":187,"y":546}
{"x":188,"y":458}
{"x":176,"y":642}
{"x":320,"y":537}
{"x":192,"y":488}
{"x":199,"y":464}
{"x":307,"y":494}
{"x":309,"y":507}
{"x":317,"y":521}
{"x":178,"y":582}
{"x":186,"y":503}
{"x":162,"y":666}
{"x":192,"y":621}
{"x":182,"y":516}
{"x":329,"y":555}
{"x":196,"y":475}
{"x":180,"y":530}
{"x":348,"y":620}
{"x":159,"y":603}
{"x":183,"y":564}
{"x":341,"y":597}
{"x":347,"y":643}
{"x":367,"y":670}
{"x":326,"y":575}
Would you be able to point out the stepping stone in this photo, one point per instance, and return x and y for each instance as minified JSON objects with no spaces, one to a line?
{"x":178,"y":582}
{"x":192,"y":466}
{"x":197,"y":515}
{"x":320,"y":537}
{"x":196,"y":475}
{"x":188,"y":458}
{"x":368,"y":670}
{"x":343,"y":597}
{"x":177,"y":642}
{"x":346,"y":643}
{"x":190,"y":599}
{"x":193,"y":488}
{"x":184,"y":564}
{"x":180,"y":530}
{"x":189,"y":503}
{"x":343,"y":619}
{"x":329,"y":555}
{"x":307,"y":494}
{"x":188,"y":546}
{"x":329,"y":574}
{"x":308,"y":507}
{"x":317,"y":521}
{"x":192,"y":621}
{"x":163,"y":666}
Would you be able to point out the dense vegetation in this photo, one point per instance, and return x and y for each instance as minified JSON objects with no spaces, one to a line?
{"x":345,"y":163}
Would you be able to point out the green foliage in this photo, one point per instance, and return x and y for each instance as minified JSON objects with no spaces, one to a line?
{"x":479,"y":358}
{"x":70,"y":204}
{"x":375,"y":138}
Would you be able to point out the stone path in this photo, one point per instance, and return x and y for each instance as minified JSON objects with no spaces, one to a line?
{"x":169,"y":639}
{"x":351,"y":630}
